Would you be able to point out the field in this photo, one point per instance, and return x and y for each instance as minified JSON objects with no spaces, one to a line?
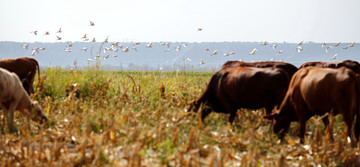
{"x":119,"y":118}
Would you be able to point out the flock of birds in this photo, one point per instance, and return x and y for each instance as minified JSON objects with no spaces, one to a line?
{"x":115,"y":47}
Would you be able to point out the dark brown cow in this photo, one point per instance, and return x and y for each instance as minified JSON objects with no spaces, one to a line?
{"x":289,"y":68}
{"x":317,"y":91}
{"x":243,"y":87}
{"x":353,"y":65}
{"x":25,"y":68}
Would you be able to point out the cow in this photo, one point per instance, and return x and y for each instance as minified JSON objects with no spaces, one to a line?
{"x":289,"y":68}
{"x":243,"y":87}
{"x":353,"y":65}
{"x":317,"y":91}
{"x":25,"y":68}
{"x":14,"y":97}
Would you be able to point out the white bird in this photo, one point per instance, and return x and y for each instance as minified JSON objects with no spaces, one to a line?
{"x":34,"y":32}
{"x":134,"y":48}
{"x":68,"y":50}
{"x":90,"y":60}
{"x":114,"y":56}
{"x":97,"y":56}
{"x":264,"y":43}
{"x":107,"y":56}
{"x":69,"y":44}
{"x":47,"y":33}
{"x":274,"y":46}
{"x":106,"y":49}
{"x":42,"y":48}
{"x":58,"y":38}
{"x":334,"y":57}
{"x":187,"y":59}
{"x":25,"y":46}
{"x":299,"y":49}
{"x":136,"y":43}
{"x":346,"y":47}
{"x":149,"y":45}
{"x":178,"y":48}
{"x":126,"y":49}
{"x":84,"y":49}
{"x":300,"y":43}
{"x":165,"y":44}
{"x":336,"y":45}
{"x":34,"y":50}
{"x":226,"y":54}
{"x":184,"y":45}
{"x":327,"y":49}
{"x":91,"y":23}
{"x":215,"y":52}
{"x":352,"y":44}
{"x":84,"y":37}
{"x":106,"y":40}
{"x":93,"y":40}
{"x":323,"y":44}
{"x":167,"y":50}
{"x":206,"y":49}
{"x":59,"y":31}
{"x":202,"y":62}
{"x":253,"y":51}
{"x":199,"y":29}
{"x":232,"y":53}
{"x":282,"y":60}
{"x":278,"y":52}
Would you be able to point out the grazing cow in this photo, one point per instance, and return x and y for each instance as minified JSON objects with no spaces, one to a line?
{"x":289,"y":68}
{"x":317,"y":91}
{"x":14,"y":97}
{"x":353,"y":65}
{"x":243,"y":87}
{"x":25,"y":68}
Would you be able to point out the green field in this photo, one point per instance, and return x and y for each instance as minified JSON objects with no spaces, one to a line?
{"x":121,"y":118}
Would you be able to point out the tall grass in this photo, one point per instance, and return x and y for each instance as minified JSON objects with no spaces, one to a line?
{"x":128,"y":118}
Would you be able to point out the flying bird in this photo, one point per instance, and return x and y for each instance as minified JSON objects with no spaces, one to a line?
{"x":47,"y":33}
{"x":323,"y":44}
{"x":184,"y":45}
{"x":84,"y":37}
{"x":69,"y":44}
{"x":206,"y":49}
{"x":232,"y":53}
{"x":84,"y":49}
{"x":299,"y":49}
{"x":226,"y":54}
{"x":34,"y":32}
{"x":34,"y":50}
{"x":68,"y":50}
{"x":336,"y":45}
{"x":274,"y":46}
{"x":90,"y":60}
{"x":59,"y":31}
{"x":187,"y":59}
{"x":58,"y":38}
{"x":334,"y":57}
{"x":42,"y":48}
{"x":149,"y":45}
{"x":215,"y":52}
{"x":91,"y":23}
{"x":178,"y":48}
{"x":327,"y":49}
{"x":300,"y":43}
{"x":264,"y":43}
{"x":202,"y":62}
{"x":93,"y":40}
{"x":253,"y":51}
{"x":352,"y":44}
{"x":278,"y":52}
{"x":346,"y":47}
{"x":25,"y":46}
{"x":126,"y":49}
{"x":199,"y":29}
{"x":106,"y":40}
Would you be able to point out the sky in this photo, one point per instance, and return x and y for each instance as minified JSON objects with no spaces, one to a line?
{"x":179,"y":20}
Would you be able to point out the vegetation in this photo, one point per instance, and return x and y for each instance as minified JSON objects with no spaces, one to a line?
{"x":126,"y":118}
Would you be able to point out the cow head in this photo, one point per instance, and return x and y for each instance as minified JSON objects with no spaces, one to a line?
{"x":279,"y":122}
{"x":36,"y":113}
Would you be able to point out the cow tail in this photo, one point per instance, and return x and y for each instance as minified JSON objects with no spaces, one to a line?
{"x":357,"y":123}
{"x":38,"y":69}
{"x":209,"y":92}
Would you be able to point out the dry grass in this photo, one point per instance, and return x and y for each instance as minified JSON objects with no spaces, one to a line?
{"x":139,"y":119}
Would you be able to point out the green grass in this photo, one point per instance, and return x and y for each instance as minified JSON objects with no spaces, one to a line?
{"x":122,"y":118}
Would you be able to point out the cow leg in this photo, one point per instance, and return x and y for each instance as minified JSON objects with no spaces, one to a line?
{"x":350,"y":128}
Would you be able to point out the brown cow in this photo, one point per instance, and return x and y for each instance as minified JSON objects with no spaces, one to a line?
{"x":25,"y":68}
{"x":289,"y":68}
{"x":353,"y":65}
{"x":14,"y":97}
{"x":243,"y":87}
{"x":317,"y":91}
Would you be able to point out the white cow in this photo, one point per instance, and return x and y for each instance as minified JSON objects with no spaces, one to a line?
{"x":14,"y":97}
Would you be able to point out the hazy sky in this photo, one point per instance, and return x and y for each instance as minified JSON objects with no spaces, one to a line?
{"x":178,"y":20}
